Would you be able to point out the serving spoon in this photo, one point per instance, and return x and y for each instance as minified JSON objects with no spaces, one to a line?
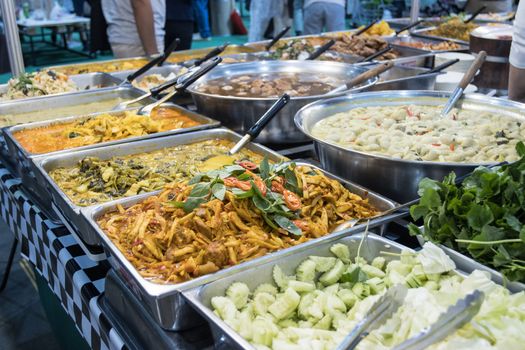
{"x":259,"y":125}
{"x":180,"y":84}
{"x":277,"y":38}
{"x":407,"y":27}
{"x":171,"y":47}
{"x":467,"y":77}
{"x":363,"y":77}
{"x":322,"y":49}
{"x":475,"y":14}
{"x":364,"y":29}
{"x":442,"y":66}
{"x":375,"y":54}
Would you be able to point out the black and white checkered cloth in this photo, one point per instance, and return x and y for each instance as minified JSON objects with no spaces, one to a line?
{"x":77,"y":280}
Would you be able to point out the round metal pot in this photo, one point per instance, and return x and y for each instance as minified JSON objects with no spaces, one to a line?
{"x":395,"y":178}
{"x":240,"y":113}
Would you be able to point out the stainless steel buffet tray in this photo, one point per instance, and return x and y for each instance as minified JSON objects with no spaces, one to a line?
{"x":164,"y":71}
{"x":165,"y":301}
{"x":72,"y":212}
{"x":393,"y":177}
{"x":22,"y":157}
{"x":423,"y":33}
{"x":77,"y":68}
{"x":55,"y":102}
{"x":200,"y":297}
{"x":410,"y":39}
{"x":88,"y":81}
{"x":405,"y":78}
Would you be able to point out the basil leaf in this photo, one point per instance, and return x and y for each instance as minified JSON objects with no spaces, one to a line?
{"x":291,"y":180}
{"x":218,"y":190}
{"x":192,"y":203}
{"x":354,"y":276}
{"x":264,"y":168}
{"x":261,"y":204}
{"x":270,"y":222}
{"x":240,"y":194}
{"x":244,"y":177}
{"x":200,"y":190}
{"x":287,"y":224}
{"x":520,"y":148}
{"x":196,"y":179}
{"x":176,"y":204}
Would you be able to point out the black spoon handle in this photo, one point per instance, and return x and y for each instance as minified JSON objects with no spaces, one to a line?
{"x":377,"y":54}
{"x":321,"y":50}
{"x":364,"y":29}
{"x":144,"y":68}
{"x":410,"y":26}
{"x":277,"y":37}
{"x":441,"y":67}
{"x":475,"y":14}
{"x":188,"y":81}
{"x":215,"y":52}
{"x":256,"y":129}
{"x":169,"y":50}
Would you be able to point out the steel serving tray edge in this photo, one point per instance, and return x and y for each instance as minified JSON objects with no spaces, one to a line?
{"x":164,"y":301}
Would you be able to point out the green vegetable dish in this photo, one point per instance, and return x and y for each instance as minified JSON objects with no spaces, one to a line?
{"x":482,"y":217}
{"x":327,"y":297}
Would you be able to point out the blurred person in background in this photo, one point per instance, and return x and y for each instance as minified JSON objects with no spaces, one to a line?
{"x":179,"y":23}
{"x":135,"y":27}
{"x":319,"y":15}
{"x":298,"y":19}
{"x":261,"y":12}
{"x":517,"y":57}
{"x":200,"y":9}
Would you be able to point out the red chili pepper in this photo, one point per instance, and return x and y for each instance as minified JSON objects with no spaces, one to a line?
{"x":292,"y":201}
{"x":260,"y":185}
{"x":436,"y":144}
{"x":409,"y":112}
{"x":248,"y":165}
{"x":303,"y":225}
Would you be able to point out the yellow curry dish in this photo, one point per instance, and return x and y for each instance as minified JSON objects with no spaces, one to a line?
{"x":454,"y":28}
{"x":93,"y":180}
{"x":225,"y":217}
{"x":100,"y":128}
{"x":105,"y":67}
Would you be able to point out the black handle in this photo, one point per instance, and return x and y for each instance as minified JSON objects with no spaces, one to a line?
{"x":205,"y":68}
{"x":377,"y":54}
{"x":256,"y":129}
{"x":410,"y":26}
{"x":144,"y":68}
{"x":441,"y":67}
{"x":277,"y":37}
{"x":169,"y":50}
{"x":362,"y":30}
{"x":321,"y":50}
{"x":215,"y":52}
{"x":475,"y":14}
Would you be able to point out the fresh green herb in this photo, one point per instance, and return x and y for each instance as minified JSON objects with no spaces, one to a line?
{"x":215,"y":184}
{"x":482,"y":217}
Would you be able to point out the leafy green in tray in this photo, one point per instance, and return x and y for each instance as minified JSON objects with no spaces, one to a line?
{"x":483,"y":217}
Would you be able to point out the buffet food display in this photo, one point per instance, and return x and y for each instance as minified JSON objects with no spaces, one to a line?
{"x":99,"y":128}
{"x":223,"y":218}
{"x":272,"y":85}
{"x":278,"y":253}
{"x":42,"y":83}
{"x":417,"y":132}
{"x":454,"y":28}
{"x":93,"y":180}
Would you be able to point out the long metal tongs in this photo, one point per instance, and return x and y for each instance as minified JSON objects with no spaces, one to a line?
{"x":382,"y":310}
{"x":448,"y":322}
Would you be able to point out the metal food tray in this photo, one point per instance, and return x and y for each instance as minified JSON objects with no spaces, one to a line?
{"x":261,"y":45}
{"x":88,"y":81}
{"x":411,"y":39}
{"x":408,"y":56}
{"x":467,"y":264}
{"x":72,"y":212}
{"x":405,"y":78}
{"x":164,"y":301}
{"x":23,"y":160}
{"x":186,"y":55}
{"x":200,"y":297}
{"x":420,"y":33}
{"x":65,"y":67}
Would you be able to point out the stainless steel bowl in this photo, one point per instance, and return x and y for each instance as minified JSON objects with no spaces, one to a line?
{"x":393,"y":177}
{"x":240,"y":113}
